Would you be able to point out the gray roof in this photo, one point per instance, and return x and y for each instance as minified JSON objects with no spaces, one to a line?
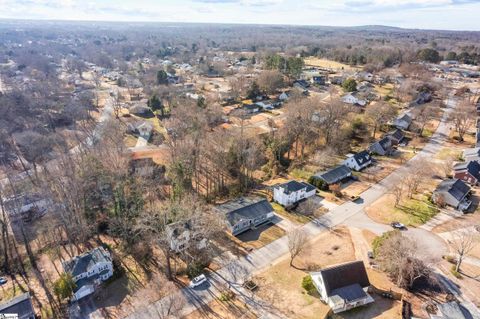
{"x":455,"y":187}
{"x":294,"y":186}
{"x":405,"y":117}
{"x":245,"y":208}
{"x":471,"y":152}
{"x":397,"y":134}
{"x":335,"y":174}
{"x":385,"y":143}
{"x":349,"y":293}
{"x":21,"y":306}
{"x":345,"y":276}
{"x":83,"y":263}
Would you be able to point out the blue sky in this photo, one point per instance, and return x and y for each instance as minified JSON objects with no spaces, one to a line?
{"x":425,"y":14}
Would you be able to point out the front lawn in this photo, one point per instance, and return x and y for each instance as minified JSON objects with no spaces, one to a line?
{"x":411,"y":212}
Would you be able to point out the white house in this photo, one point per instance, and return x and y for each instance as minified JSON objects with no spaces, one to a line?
{"x":358,"y":161}
{"x":185,"y":234}
{"x":352,"y":99}
{"x":291,"y":192}
{"x":343,"y":287}
{"x":471,"y":154}
{"x":89,"y":270}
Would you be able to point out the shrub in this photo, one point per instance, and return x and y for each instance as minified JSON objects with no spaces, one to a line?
{"x":455,"y":273}
{"x":63,"y":287}
{"x":349,"y":85}
{"x":307,"y":284}
{"x":378,"y":241}
{"x":194,"y":270}
{"x":318,"y":183}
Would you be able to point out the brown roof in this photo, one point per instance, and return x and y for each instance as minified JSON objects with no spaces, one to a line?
{"x":345,"y":275}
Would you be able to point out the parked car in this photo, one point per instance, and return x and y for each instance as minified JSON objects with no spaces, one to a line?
{"x":370,"y":254}
{"x":3,"y":281}
{"x":398,"y":225}
{"x":197,"y":281}
{"x":354,"y":198}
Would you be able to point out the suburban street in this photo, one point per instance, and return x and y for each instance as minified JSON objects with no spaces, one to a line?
{"x":350,"y":214}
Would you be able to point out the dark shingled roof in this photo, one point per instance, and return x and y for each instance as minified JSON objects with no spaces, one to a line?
{"x":344,"y":275}
{"x":472,"y":167}
{"x":83,"y":263}
{"x":245,"y":208}
{"x":350,"y":293}
{"x":21,"y":306}
{"x":397,"y":135}
{"x":294,"y":186}
{"x":335,"y":174}
{"x":457,"y":188}
{"x":385,"y":143}
{"x":362,"y":157}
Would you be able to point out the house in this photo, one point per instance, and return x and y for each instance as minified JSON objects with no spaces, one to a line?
{"x":289,"y":193}
{"x":403,"y":122}
{"x":422,"y":98}
{"x":19,"y":307}
{"x":454,"y":193}
{"x":382,"y":147}
{"x":358,"y":161}
{"x":351,"y":98}
{"x":265,"y":105}
{"x":184,"y":234}
{"x":246,"y":213}
{"x":468,"y":172}
{"x":344,"y":286}
{"x":334,"y":175}
{"x":471,"y":154}
{"x":319,"y":79}
{"x":338,"y":80}
{"x":396,"y":136}
{"x":89,"y":270}
{"x":283,"y":96}
{"x":251,"y":108}
{"x":301,"y":84}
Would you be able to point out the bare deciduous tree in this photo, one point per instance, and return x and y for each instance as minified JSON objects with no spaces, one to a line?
{"x":297,"y":241}
{"x":379,"y":114}
{"x":462,"y":242}
{"x":462,"y":118}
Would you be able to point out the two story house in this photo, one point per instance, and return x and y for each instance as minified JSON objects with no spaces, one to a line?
{"x":469,"y":172}
{"x":184,"y":234}
{"x":344,"y":286}
{"x":289,"y":193}
{"x":454,"y":193}
{"x":89,"y":270}
{"x":358,"y":161}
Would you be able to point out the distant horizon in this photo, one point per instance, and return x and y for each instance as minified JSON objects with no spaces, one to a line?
{"x":437,"y":15}
{"x":40,"y":20}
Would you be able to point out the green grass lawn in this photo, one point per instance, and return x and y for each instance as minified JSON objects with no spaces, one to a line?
{"x":414,"y":212}
{"x":299,"y":173}
{"x":448,"y":152}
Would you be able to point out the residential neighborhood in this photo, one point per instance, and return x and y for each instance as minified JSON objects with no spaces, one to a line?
{"x":259,"y":169}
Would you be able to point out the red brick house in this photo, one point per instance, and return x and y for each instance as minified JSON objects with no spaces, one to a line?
{"x":469,"y":172}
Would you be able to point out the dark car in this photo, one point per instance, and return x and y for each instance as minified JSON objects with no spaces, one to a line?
{"x":398,"y":225}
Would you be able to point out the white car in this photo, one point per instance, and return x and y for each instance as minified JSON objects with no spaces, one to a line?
{"x":197,"y":281}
